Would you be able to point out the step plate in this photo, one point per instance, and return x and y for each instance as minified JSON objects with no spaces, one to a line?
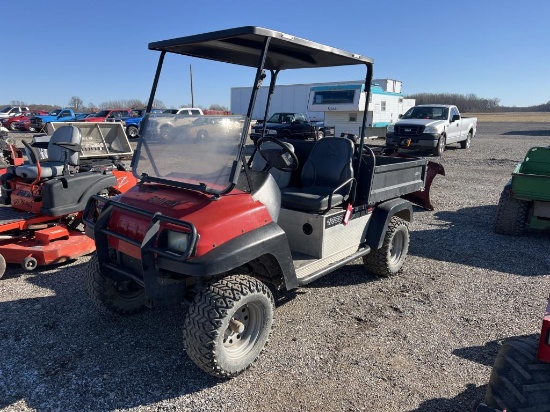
{"x":10,"y":215}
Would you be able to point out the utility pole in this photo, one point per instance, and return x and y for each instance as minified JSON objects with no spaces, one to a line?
{"x":192,"y":97}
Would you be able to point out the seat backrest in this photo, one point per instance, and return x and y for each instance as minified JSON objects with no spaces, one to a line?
{"x":64,"y":134}
{"x":329,"y":164}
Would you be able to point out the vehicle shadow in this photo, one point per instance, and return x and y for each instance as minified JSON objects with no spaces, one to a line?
{"x":60,"y":353}
{"x":463,"y":237}
{"x":541,"y":133}
{"x":465,"y":401}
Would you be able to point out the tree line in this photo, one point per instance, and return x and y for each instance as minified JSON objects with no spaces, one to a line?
{"x":470,"y":103}
{"x":78,"y":105}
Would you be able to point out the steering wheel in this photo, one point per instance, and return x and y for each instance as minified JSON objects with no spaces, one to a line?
{"x":283,"y":159}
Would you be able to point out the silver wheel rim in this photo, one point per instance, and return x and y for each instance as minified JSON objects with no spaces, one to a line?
{"x":397,"y":247}
{"x":238,"y":344}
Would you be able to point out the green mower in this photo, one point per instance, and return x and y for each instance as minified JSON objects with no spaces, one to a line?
{"x":525,"y":200}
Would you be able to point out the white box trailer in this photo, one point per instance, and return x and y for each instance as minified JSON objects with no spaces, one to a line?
{"x":340,"y":107}
{"x":291,"y":98}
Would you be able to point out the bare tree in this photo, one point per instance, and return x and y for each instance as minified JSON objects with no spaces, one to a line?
{"x":76,"y":103}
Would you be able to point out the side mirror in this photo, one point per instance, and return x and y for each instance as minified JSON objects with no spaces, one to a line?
{"x":455,"y":118}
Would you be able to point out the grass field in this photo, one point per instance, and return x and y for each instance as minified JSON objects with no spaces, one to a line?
{"x":527,"y":117}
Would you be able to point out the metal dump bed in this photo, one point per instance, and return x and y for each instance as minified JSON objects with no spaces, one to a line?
{"x":100,"y":140}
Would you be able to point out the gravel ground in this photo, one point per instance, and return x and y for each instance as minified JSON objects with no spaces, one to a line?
{"x":421,"y":341}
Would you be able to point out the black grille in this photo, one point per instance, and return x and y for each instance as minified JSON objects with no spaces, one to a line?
{"x":408,"y":130}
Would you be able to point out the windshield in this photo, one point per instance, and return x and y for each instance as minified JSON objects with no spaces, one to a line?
{"x":102,"y":113}
{"x":196,"y":150}
{"x":54,"y":112}
{"x":426,"y":112}
{"x":281,"y":118}
{"x":5,"y":109}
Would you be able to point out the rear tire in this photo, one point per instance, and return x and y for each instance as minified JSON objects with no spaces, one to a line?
{"x":228,"y":325}
{"x":388,"y":260}
{"x":466,"y":143}
{"x":13,"y":126}
{"x":519,"y":382}
{"x":512,"y":215}
{"x":440,"y":148}
{"x":121,"y":298}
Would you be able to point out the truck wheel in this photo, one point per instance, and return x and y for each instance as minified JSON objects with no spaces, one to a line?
{"x":320,"y":134}
{"x":201,"y":135}
{"x":132,"y":132}
{"x":228,"y":325}
{"x":388,"y":260}
{"x":13,"y":126}
{"x":466,"y":143}
{"x":440,"y":148}
{"x":512,"y":215}
{"x":519,"y":382}
{"x":121,"y":298}
{"x":32,"y":129}
{"x":2,"y":266}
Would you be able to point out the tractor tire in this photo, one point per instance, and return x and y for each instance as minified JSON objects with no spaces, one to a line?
{"x":440,"y":148}
{"x":388,"y":260}
{"x":465,"y":144}
{"x":512,"y":215}
{"x":228,"y":325}
{"x":120,"y":298}
{"x":519,"y":382}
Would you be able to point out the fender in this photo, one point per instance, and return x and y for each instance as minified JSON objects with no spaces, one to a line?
{"x":266,"y":240}
{"x":381,"y":218}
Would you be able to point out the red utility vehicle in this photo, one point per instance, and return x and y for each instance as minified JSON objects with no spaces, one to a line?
{"x":208,"y":224}
{"x":42,"y":224}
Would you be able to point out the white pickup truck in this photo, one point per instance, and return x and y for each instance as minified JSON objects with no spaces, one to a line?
{"x":431,"y":127}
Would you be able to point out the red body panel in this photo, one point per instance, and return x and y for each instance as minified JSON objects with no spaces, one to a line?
{"x":26,"y":197}
{"x":45,"y":248}
{"x":543,"y":353}
{"x":125,"y":180}
{"x":216,"y":221}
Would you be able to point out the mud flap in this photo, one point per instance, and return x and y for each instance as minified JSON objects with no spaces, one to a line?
{"x":422,"y":197}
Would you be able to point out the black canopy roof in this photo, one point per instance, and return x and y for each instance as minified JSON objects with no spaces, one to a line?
{"x":243,"y":46}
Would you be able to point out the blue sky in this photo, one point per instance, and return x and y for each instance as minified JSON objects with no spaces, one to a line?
{"x":98,"y":50}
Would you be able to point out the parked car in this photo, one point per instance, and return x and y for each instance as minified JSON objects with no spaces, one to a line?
{"x":133,"y":122}
{"x":288,"y":125}
{"x":205,"y":127}
{"x":432,"y":127}
{"x":109,"y":115}
{"x":40,"y":123}
{"x":9,"y":111}
{"x":11,"y":122}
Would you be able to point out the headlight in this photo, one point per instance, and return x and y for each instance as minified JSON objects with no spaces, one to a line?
{"x":270,"y":131}
{"x":390,"y":128}
{"x":178,"y":241}
{"x":430,"y":129}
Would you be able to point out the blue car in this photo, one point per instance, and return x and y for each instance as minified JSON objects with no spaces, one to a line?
{"x":133,"y":122}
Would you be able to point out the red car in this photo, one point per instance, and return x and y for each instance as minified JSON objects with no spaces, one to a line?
{"x":109,"y":115}
{"x":12,"y":123}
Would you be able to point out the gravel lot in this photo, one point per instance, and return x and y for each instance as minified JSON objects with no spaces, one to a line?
{"x":422,"y":341}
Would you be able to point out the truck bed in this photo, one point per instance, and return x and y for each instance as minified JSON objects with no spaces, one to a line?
{"x":388,"y":177}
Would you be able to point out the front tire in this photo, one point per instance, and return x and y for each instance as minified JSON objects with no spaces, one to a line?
{"x":320,"y":134}
{"x":132,"y":132}
{"x":121,"y":298}
{"x":519,"y":382}
{"x":228,"y":325}
{"x":512,"y":215}
{"x":13,"y":127}
{"x":388,"y":260}
{"x":440,"y":148}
